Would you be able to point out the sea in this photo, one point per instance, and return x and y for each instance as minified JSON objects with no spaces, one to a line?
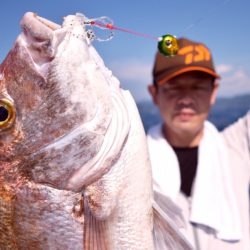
{"x":225,"y":111}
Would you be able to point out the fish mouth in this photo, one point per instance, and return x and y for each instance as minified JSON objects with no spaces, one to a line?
{"x":40,"y":40}
{"x":49,"y":24}
{"x":38,"y":27}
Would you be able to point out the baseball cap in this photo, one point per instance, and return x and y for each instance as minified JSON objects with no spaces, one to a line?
{"x":191,"y":56}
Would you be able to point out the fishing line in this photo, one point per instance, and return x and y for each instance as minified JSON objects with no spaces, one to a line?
{"x":209,"y":13}
{"x":167,"y":44}
{"x":112,"y":27}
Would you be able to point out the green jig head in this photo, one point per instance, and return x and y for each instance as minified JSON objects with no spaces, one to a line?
{"x":168,"y":45}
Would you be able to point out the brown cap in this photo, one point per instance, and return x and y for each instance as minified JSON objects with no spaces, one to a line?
{"x":192,"y":56}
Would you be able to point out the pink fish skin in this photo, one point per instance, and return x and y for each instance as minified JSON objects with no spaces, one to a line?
{"x":75,"y":149}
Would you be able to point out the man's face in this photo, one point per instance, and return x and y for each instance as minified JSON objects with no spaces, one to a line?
{"x":184,"y":101}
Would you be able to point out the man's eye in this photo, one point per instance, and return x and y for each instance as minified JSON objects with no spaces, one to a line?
{"x":167,"y":91}
{"x":200,"y":87}
{"x":170,"y":88}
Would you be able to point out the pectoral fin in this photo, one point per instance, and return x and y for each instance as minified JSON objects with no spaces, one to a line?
{"x":167,"y":221}
{"x":96,"y":232}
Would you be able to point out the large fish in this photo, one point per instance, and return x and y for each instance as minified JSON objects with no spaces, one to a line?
{"x":74,"y":168}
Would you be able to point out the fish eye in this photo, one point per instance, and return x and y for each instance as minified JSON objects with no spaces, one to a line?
{"x":7,"y":113}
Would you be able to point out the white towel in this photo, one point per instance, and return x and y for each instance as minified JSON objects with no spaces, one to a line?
{"x":213,"y":200}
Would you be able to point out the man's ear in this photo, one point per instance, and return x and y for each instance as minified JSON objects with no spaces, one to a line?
{"x":214,"y":93}
{"x":153,"y":92}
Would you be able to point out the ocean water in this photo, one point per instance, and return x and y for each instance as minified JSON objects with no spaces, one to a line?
{"x":224,"y":112}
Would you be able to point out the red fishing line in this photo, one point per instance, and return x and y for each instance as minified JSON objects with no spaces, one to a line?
{"x":111,"y":27}
{"x":167,"y":44}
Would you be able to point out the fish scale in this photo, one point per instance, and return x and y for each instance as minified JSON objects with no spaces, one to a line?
{"x":7,"y":200}
{"x":45,"y":221}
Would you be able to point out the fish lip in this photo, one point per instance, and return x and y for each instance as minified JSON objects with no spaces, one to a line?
{"x":30,"y":17}
{"x":38,"y":28}
{"x":51,"y":25}
{"x":37,"y":40}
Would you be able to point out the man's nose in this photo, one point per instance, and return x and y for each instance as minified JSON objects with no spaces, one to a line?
{"x":185,"y":97}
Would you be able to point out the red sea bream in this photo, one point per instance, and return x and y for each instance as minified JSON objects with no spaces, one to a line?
{"x":74,"y":168}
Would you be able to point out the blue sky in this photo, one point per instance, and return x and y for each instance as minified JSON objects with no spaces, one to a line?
{"x":223,"y":25}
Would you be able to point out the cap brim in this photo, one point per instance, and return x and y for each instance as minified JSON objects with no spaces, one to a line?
{"x":175,"y":73}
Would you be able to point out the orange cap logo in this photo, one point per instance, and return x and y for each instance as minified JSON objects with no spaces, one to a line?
{"x":195,"y":53}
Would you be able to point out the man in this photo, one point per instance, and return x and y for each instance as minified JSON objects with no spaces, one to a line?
{"x":205,"y":172}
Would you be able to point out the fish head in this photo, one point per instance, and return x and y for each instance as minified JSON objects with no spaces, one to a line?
{"x":57,"y":105}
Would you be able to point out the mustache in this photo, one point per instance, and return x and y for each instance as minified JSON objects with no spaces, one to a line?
{"x":183,"y":106}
